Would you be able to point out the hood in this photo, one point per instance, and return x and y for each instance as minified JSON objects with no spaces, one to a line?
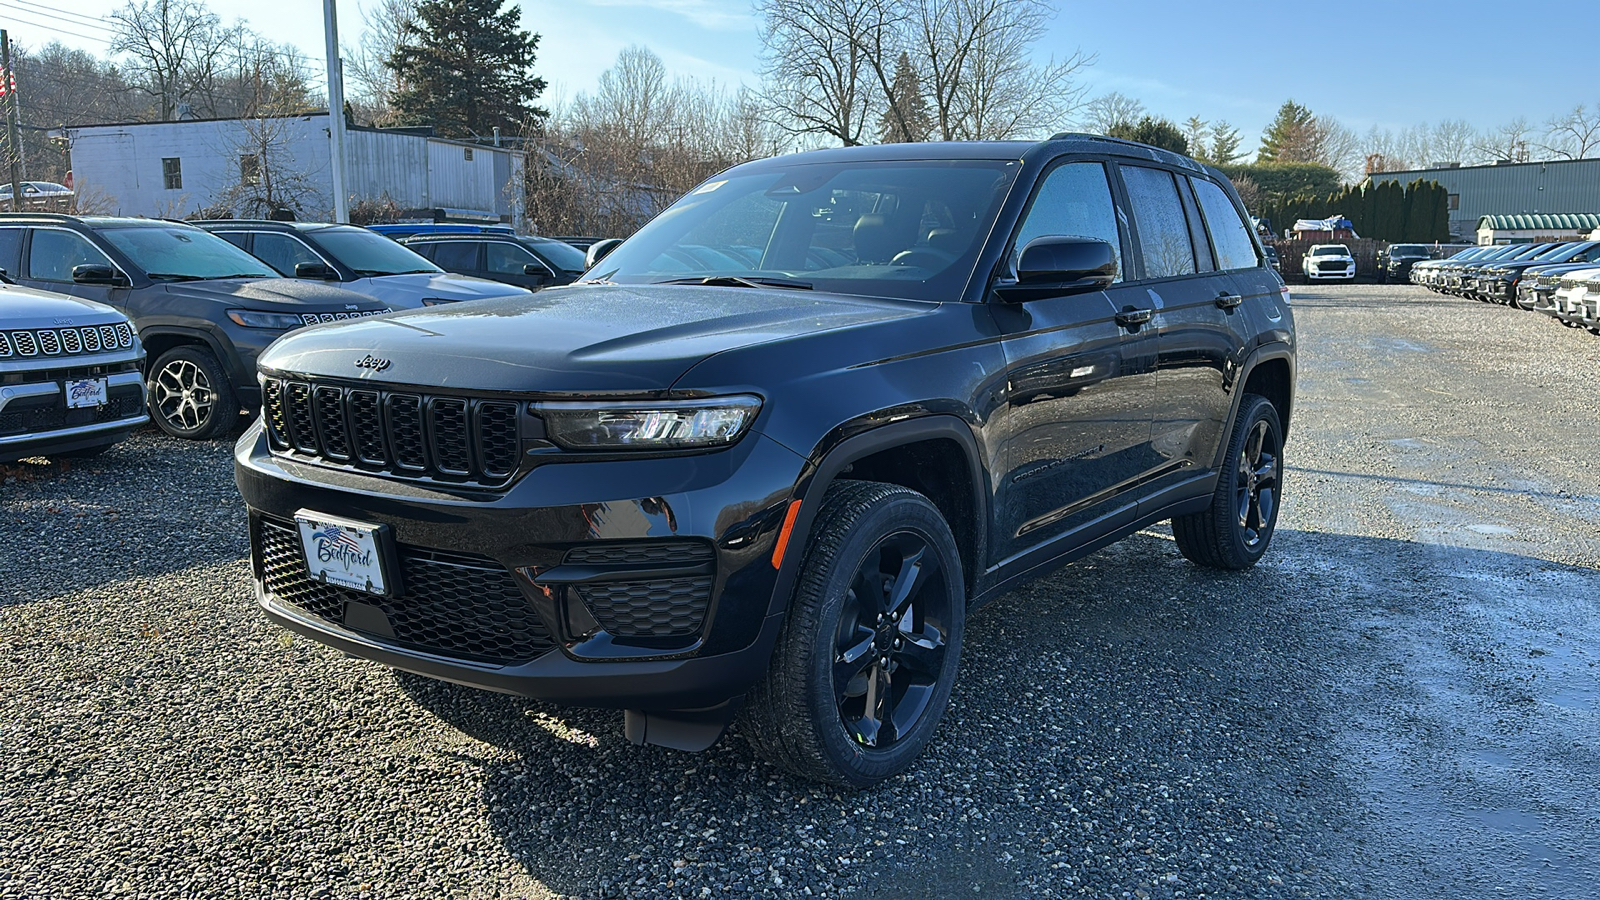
{"x":589,"y":339}
{"x":291,"y":294}
{"x":409,"y":291}
{"x":22,"y":307}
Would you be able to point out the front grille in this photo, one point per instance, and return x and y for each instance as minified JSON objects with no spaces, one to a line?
{"x":395,"y":433}
{"x":65,"y":341}
{"x":662,"y":607}
{"x":673,"y":606}
{"x":36,"y":419}
{"x":450,"y":604}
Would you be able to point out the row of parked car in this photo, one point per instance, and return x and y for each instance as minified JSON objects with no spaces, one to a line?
{"x":1560,"y":278}
{"x":109,"y":322}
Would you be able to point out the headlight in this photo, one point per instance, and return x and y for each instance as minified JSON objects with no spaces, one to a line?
{"x":434,"y":301}
{"x":649,"y":425}
{"x":250,"y":318}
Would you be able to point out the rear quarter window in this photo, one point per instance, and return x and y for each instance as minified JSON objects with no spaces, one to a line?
{"x":1230,"y":236}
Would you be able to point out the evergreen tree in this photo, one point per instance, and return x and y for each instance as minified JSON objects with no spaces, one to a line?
{"x":1288,"y":137}
{"x":1195,"y":131}
{"x":466,"y":67}
{"x":1441,"y":213}
{"x":1155,"y":132}
{"x":907,"y":119}
{"x":1225,"y":142}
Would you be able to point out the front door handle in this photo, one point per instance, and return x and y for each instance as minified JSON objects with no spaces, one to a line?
{"x":1132,"y":317}
{"x":1226,"y":300}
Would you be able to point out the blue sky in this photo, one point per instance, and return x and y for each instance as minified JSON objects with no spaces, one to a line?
{"x":1391,"y":64}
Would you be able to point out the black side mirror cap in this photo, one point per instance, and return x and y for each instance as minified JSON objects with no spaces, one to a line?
{"x":534,"y":270}
{"x":598,"y":250}
{"x":1056,"y":265}
{"x":93,"y":273}
{"x":315,"y":270}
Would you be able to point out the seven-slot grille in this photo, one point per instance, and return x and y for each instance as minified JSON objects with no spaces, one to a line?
{"x":395,"y":432}
{"x":449,"y":604}
{"x":318,"y":318}
{"x":65,"y":341}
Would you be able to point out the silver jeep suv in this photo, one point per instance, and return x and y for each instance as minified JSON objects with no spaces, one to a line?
{"x":70,"y":382}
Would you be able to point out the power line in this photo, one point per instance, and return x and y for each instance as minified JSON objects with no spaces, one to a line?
{"x":51,"y":15}
{"x":54,"y":29}
{"x":94,"y":20}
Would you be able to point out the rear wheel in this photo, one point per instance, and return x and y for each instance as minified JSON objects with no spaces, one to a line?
{"x":190,"y":396}
{"x":863,"y":670}
{"x":1235,"y":531}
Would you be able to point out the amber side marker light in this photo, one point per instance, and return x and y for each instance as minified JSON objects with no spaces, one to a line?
{"x":783,"y":533}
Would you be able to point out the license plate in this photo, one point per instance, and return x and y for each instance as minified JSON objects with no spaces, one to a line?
{"x":344,"y":553}
{"x":86,"y":393}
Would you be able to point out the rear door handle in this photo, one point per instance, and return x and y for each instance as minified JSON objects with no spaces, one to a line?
{"x":1132,"y":317}
{"x":1229,"y":301}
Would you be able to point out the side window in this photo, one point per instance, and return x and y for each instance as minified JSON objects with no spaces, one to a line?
{"x":53,"y":254}
{"x":1236,"y":249}
{"x":11,"y":250}
{"x":1075,"y":199}
{"x":1163,"y":231}
{"x":457,"y":256}
{"x":236,"y":238}
{"x":505,"y":258}
{"x":282,"y":252}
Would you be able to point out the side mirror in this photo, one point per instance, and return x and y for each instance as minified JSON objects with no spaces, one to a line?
{"x":598,"y":250}
{"x":94,"y":273}
{"x":534,"y":270}
{"x":1057,"y":265}
{"x":315,"y":270}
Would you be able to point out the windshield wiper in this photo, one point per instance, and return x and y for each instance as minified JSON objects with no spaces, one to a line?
{"x":741,"y":281}
{"x":176,"y":276}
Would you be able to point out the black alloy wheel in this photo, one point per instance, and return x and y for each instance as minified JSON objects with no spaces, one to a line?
{"x":892,"y":637}
{"x":863,"y":670}
{"x":1235,"y":530}
{"x":190,"y":396}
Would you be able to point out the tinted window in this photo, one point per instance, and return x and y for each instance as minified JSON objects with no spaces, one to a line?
{"x":1074,"y":199}
{"x":457,"y":256}
{"x":236,"y":238}
{"x":370,"y":253}
{"x":1230,"y":237}
{"x":559,"y":254}
{"x":282,"y":252}
{"x":182,"y":253}
{"x":506,"y":258}
{"x":10,"y":250}
{"x":53,"y":253}
{"x":1163,"y":230}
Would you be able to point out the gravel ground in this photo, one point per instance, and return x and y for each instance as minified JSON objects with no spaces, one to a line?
{"x":1399,"y":702}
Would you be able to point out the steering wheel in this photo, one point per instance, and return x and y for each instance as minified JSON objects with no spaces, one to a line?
{"x":923,"y":257}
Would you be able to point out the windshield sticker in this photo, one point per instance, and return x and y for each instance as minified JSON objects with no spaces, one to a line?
{"x":709,"y":186}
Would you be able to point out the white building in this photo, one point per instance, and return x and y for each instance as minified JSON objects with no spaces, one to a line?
{"x":179,"y":168}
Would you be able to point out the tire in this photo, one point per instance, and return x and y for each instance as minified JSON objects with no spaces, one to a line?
{"x":190,"y":395}
{"x":878,"y":549}
{"x":1237,"y":528}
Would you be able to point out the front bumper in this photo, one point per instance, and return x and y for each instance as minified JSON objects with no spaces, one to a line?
{"x":36,"y":421}
{"x":529,"y":590}
{"x":1346,"y":274}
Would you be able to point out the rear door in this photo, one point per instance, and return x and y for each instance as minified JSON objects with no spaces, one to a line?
{"x":507,"y":262}
{"x":460,"y":257}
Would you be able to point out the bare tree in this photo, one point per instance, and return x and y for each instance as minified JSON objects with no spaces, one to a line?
{"x":253,"y":74}
{"x":1508,"y":142}
{"x":1109,"y":111}
{"x":369,"y":78}
{"x":1452,"y":141}
{"x":270,"y":178}
{"x":173,"y":46}
{"x":1336,"y":146}
{"x":819,"y":75}
{"x":1575,"y":135}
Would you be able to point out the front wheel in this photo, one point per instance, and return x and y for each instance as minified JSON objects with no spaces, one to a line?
{"x":863,"y":670}
{"x":1235,"y":530}
{"x":190,"y":396}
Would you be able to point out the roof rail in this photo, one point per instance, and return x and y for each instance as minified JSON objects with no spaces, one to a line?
{"x":58,"y":217}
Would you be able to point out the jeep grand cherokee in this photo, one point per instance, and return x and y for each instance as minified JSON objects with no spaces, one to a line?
{"x":768,"y":455}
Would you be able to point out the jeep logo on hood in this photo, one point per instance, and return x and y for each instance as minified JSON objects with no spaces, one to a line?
{"x":375,"y":363}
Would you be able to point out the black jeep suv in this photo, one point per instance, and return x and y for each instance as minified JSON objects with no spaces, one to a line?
{"x":203,"y":307}
{"x":769,"y":453}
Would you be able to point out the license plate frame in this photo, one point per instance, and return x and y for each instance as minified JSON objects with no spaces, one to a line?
{"x":87,"y":393}
{"x":346,"y":553}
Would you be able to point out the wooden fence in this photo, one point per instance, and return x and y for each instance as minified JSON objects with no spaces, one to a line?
{"x":1365,"y":251}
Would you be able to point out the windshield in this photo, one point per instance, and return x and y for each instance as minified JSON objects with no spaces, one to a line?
{"x":182,"y":253}
{"x":1408,"y":250}
{"x":562,"y":255}
{"x":370,"y":253}
{"x":904,"y":228}
{"x":1338,"y":250}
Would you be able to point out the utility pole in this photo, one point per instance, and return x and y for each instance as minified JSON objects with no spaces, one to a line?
{"x":330,"y":18}
{"x":13,"y":143}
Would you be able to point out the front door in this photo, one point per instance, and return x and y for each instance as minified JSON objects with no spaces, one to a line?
{"x":1076,"y":417}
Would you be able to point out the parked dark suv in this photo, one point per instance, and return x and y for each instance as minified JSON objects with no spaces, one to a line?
{"x":911,"y":378}
{"x":203,"y":307}
{"x":529,"y":262}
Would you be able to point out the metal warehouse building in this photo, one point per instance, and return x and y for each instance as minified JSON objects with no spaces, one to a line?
{"x":1559,"y":186}
{"x":179,"y":168}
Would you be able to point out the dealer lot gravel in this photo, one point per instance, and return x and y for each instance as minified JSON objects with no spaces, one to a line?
{"x":1400,"y":702}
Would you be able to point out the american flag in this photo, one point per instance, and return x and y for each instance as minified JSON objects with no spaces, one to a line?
{"x":338,"y":537}
{"x":8,"y":83}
